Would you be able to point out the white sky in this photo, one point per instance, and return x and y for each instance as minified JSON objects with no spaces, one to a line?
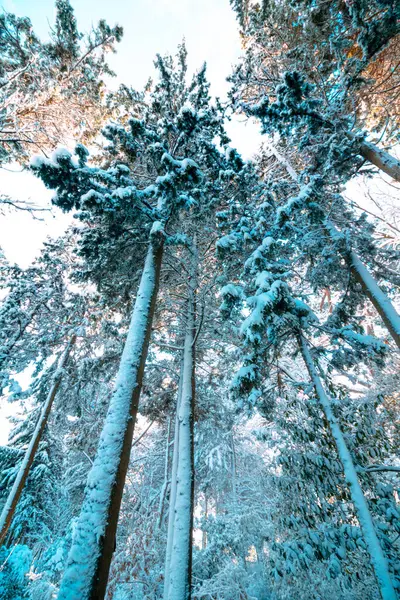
{"x":150,"y":27}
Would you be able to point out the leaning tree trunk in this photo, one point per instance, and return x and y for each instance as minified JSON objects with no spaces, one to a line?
{"x":180,"y":561}
{"x":379,"y":299}
{"x":94,"y":540}
{"x":23,"y":472}
{"x":378,"y":560}
{"x":381,"y":159}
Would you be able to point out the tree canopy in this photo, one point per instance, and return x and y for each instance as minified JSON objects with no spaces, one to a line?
{"x":204,"y":367}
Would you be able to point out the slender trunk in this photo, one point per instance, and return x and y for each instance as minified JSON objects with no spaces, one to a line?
{"x":94,"y":541}
{"x":165,"y":484}
{"x":180,"y":564}
{"x":234,"y":490}
{"x":371,"y":289}
{"x":378,"y":560}
{"x":15,"y":493}
{"x":381,"y":159}
{"x":181,"y":553}
{"x":379,"y":299}
{"x":204,"y":532}
{"x":141,"y":436}
{"x":259,"y":550}
{"x":172,"y":495}
{"x":381,"y":468}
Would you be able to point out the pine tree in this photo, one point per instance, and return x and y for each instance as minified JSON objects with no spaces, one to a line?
{"x":109,"y":197}
{"x":328,"y":48}
{"x":226,"y":425}
{"x":52,"y":89}
{"x":178,"y":568}
{"x":274,"y":312}
{"x":24,"y":469}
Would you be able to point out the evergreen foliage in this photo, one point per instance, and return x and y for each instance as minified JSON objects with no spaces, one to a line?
{"x":227,"y":423}
{"x":40,"y":81}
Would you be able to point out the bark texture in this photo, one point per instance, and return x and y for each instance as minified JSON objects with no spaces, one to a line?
{"x":94,"y":541}
{"x":16,"y":491}
{"x":378,"y":560}
{"x":381,"y":159}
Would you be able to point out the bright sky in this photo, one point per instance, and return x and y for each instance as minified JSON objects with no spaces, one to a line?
{"x":150,"y":27}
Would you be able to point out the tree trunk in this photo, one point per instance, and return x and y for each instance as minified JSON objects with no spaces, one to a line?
{"x":204,"y":532}
{"x":15,"y":493}
{"x":94,"y":541}
{"x":381,"y":159}
{"x":371,"y":289}
{"x":233,"y":470}
{"x":181,"y":553}
{"x":378,"y":298}
{"x":165,"y":484}
{"x":180,"y":565}
{"x":172,"y":495}
{"x":378,"y":157}
{"x":378,"y":560}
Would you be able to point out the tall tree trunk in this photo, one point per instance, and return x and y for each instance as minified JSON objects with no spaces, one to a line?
{"x":379,"y":299}
{"x":371,"y":289}
{"x":16,"y":490}
{"x":180,"y":565}
{"x":204,"y":532}
{"x":165,"y":484}
{"x":378,"y":560}
{"x":181,"y":553}
{"x":94,"y":541}
{"x":233,"y":470}
{"x":381,"y":159}
{"x":173,"y":489}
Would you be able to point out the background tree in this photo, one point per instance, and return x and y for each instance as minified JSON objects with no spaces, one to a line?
{"x":52,"y":90}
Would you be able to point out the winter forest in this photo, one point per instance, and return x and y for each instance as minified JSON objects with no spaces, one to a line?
{"x":199,"y":376}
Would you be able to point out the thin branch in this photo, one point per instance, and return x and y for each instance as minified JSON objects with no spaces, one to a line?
{"x":142,"y":434}
{"x":381,"y":468}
